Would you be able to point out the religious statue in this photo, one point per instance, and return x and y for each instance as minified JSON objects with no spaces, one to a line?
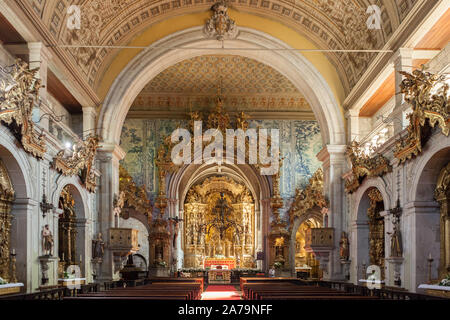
{"x":47,"y":241}
{"x":344,"y":247}
{"x":396,"y":239}
{"x":98,"y":247}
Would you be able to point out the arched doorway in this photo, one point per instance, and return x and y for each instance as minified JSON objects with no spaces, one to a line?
{"x":16,"y":225}
{"x":369,"y":235}
{"x":72,"y":243}
{"x":429,"y":208}
{"x":306,"y":266}
{"x":7,"y":263}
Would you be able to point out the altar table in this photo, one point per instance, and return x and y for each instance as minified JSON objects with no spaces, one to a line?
{"x":230,"y":263}
{"x":10,"y":288}
{"x":219,"y":276}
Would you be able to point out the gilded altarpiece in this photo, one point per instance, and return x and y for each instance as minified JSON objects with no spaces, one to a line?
{"x":204,"y":235}
{"x":6,"y":199}
{"x":67,"y":230}
{"x":442,"y":195}
{"x":376,"y":229}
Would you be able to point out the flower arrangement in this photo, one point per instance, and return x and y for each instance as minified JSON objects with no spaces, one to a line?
{"x":278,"y":265}
{"x":161,"y":263}
{"x":2,"y":281}
{"x":446,"y":281}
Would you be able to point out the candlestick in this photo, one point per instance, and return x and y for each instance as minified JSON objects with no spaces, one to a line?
{"x":430,"y":261}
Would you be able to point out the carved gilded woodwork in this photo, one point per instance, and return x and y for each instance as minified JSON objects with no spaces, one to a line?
{"x":364,"y":166}
{"x":19,"y":92}
{"x":376,"y":229}
{"x":67,"y":229}
{"x":310,"y":197}
{"x":80,"y":162}
{"x":132,"y":197}
{"x":216,"y":227}
{"x":442,"y":195}
{"x":6,"y":199}
{"x":428,"y":95}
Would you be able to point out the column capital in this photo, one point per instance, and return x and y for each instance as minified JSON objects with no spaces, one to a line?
{"x":113,"y":149}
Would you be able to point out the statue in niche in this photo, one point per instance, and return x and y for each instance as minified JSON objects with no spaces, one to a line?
{"x":396,"y":238}
{"x":344,"y":247}
{"x":47,"y":241}
{"x":98,"y":247}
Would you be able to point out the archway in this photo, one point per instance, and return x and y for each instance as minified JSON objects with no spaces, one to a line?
{"x":72,"y":234}
{"x":21,"y":235}
{"x":149,"y":63}
{"x":368,"y":232}
{"x":427,"y":222}
{"x":258,"y":186}
{"x":300,"y":260}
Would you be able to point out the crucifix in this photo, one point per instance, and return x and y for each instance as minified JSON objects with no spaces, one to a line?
{"x":45,"y":206}
{"x":175,"y":221}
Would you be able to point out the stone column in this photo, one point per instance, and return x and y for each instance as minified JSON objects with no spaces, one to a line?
{"x":109,"y":156}
{"x":402,"y":62}
{"x":266,"y":212}
{"x":334,"y":163}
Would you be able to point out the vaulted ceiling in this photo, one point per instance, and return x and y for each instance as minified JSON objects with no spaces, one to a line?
{"x":245,"y":84}
{"x":329,"y":24}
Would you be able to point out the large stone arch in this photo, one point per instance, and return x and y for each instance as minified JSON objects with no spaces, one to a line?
{"x":181,"y":181}
{"x":151,"y":62}
{"x":422,"y":212}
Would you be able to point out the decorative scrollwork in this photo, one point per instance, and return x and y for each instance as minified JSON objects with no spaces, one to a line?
{"x":19,"y":91}
{"x":310,"y":197}
{"x":364,"y":166}
{"x":428,"y":95}
{"x":79,"y":162}
{"x":6,"y":198}
{"x":220,"y":25}
{"x":133,"y":197}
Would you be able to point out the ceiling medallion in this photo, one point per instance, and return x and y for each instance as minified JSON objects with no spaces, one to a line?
{"x":364,"y":166}
{"x":19,"y":92}
{"x":428,"y":95}
{"x":220,"y":25}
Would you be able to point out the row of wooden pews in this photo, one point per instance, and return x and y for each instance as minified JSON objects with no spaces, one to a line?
{"x":157,"y":289}
{"x":292,"y":289}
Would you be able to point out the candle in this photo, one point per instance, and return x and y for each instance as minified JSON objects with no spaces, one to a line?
{"x":14,"y":251}
{"x":429,"y":256}
{"x":81,"y":258}
{"x":63,"y":256}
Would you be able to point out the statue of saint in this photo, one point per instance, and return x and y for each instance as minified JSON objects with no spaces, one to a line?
{"x":344,"y":247}
{"x":47,"y":241}
{"x":396,"y":240}
{"x":98,"y":247}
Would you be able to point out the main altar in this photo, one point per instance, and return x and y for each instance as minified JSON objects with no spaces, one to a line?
{"x":219,"y":229}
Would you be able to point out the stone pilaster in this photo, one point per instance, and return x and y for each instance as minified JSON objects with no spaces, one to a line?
{"x":402,"y":62}
{"x":109,"y":156}
{"x":89,"y":120}
{"x":334,"y":164}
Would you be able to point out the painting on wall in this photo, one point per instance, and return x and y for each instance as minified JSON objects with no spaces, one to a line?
{"x":300,"y":141}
